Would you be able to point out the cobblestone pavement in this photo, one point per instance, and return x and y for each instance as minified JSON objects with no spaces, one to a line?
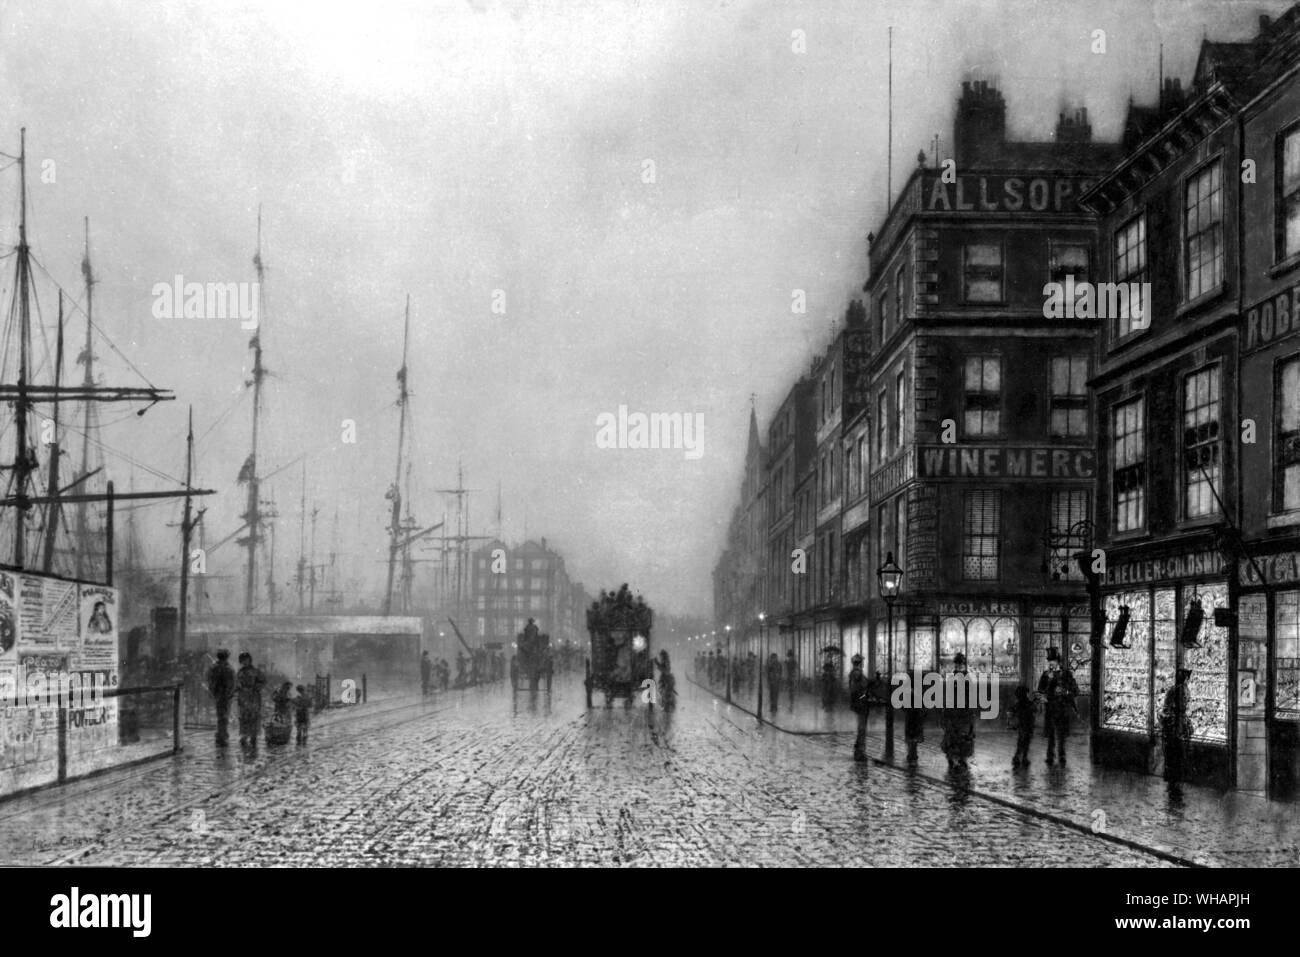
{"x":1198,"y":824}
{"x":472,"y":779}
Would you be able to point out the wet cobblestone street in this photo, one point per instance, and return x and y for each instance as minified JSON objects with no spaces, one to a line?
{"x":469,"y":780}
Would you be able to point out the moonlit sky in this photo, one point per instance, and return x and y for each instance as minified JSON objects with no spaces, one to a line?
{"x":448,"y":150}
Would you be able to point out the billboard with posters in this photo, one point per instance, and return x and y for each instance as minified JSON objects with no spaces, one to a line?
{"x":47,"y":615}
{"x":98,"y":626}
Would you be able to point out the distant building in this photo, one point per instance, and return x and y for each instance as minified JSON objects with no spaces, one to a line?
{"x":510,"y":584}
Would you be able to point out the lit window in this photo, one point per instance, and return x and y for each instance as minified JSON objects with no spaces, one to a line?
{"x":982,"y":272}
{"x":979,"y":541}
{"x":1069,"y":398}
{"x":983,"y":395}
{"x":1288,"y":194}
{"x":1131,"y":268}
{"x":1286,"y":444}
{"x":900,"y":408}
{"x":1068,"y":507}
{"x":1068,"y":259}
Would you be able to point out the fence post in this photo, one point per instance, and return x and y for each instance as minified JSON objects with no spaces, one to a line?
{"x":176,"y":720}
{"x":363,"y":687}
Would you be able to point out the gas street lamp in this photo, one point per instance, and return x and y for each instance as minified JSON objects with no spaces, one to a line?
{"x":762,"y":660}
{"x":727,"y":629}
{"x":890,"y":579}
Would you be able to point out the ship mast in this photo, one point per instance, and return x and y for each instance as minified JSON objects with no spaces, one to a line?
{"x":23,"y":462}
{"x":253,"y":515}
{"x":394,"y":491}
{"x":52,"y":486}
{"x":89,"y":420}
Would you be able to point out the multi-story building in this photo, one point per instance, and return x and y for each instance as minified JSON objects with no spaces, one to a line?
{"x":855,"y":525}
{"x":791,"y":440}
{"x":739,"y":576}
{"x":1197,"y":407}
{"x":509,"y":585}
{"x":983,"y":461}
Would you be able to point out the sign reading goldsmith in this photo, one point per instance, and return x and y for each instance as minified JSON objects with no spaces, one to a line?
{"x":1166,"y":568}
{"x":1004,"y":462}
{"x":1278,"y":569}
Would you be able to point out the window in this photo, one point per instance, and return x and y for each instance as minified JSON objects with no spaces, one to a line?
{"x":539,"y":584}
{"x":900,"y":530}
{"x":982,"y":272}
{"x":861,"y":465}
{"x":884,"y":317}
{"x":1131,"y":267}
{"x":1129,"y":475}
{"x":1068,"y":259}
{"x":1287,"y":200}
{"x":1203,"y":231}
{"x":1286,"y":443}
{"x":882,"y":535}
{"x":900,"y":408}
{"x":865,"y":449}
{"x":1201,"y":459}
{"x":1069,"y":402}
{"x":1067,"y":507}
{"x":979,"y":540}
{"x":899,"y":288}
{"x":983,"y":395}
{"x":882,"y":427}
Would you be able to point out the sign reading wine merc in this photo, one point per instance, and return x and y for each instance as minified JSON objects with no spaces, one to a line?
{"x":1006,"y":462}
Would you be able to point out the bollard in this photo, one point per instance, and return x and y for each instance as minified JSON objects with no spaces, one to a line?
{"x":363,"y":687}
{"x":176,"y":720}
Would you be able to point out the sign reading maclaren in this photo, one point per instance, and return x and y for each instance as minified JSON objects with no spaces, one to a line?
{"x":1005,"y":194}
{"x":1006,"y":462}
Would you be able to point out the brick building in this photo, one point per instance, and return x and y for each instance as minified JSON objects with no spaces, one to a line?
{"x":509,"y":585}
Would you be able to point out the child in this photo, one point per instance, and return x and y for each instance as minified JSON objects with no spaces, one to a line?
{"x":302,"y":714}
{"x":1022,"y":715}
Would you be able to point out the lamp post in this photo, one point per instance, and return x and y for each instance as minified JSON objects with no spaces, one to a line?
{"x":762,"y":661}
{"x":727,"y":630}
{"x":890,"y":578}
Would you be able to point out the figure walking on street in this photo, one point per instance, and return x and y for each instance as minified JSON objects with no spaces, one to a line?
{"x":913,"y":724}
{"x":221,"y":684}
{"x":1022,"y":715}
{"x":667,"y":683}
{"x":858,"y":702}
{"x":1058,"y":688}
{"x":1175,"y":728}
{"x":791,"y":675}
{"x":248,"y":696}
{"x":958,"y":725}
{"x":426,"y":673}
{"x":301,"y":714}
{"x":830,"y":685}
{"x":774,"y":680}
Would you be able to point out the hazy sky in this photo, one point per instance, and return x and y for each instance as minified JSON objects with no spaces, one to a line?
{"x":450,"y":150}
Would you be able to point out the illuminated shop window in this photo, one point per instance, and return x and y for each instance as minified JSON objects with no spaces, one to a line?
{"x":1286,"y":668}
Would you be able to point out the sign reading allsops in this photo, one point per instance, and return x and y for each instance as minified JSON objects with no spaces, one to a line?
{"x":1003,"y":194}
{"x":1006,"y":462}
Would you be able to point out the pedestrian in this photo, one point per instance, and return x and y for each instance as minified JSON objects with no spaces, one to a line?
{"x":752,"y":677}
{"x":426,"y":672}
{"x":1175,"y":728}
{"x":460,"y":669}
{"x":514,"y":672}
{"x":1022,"y":718}
{"x":958,"y":725}
{"x":773,"y":680}
{"x":667,"y":683}
{"x":913,"y":719}
{"x":858,"y":702}
{"x":221,"y":685}
{"x":248,"y":697}
{"x":830,"y":684}
{"x":791,"y":674}
{"x":1058,"y":688}
{"x":444,"y":673}
{"x":548,"y":669}
{"x":301,"y":714}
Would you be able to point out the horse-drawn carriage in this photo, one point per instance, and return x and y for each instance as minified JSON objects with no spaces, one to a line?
{"x":620,"y":646}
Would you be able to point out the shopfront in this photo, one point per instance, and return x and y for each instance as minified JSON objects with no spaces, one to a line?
{"x":1150,"y":601}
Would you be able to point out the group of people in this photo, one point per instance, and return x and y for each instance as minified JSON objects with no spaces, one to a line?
{"x":714,"y":668}
{"x":433,"y":674}
{"x":244,"y":687}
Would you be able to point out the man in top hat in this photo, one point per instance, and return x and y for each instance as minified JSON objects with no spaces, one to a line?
{"x":858,"y":702}
{"x":1175,"y":728}
{"x":248,"y":691}
{"x":1058,"y":688}
{"x":221,"y":685}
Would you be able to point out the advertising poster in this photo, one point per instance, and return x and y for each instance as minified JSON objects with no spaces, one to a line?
{"x":8,"y":624}
{"x":98,"y":627}
{"x":47,"y":614}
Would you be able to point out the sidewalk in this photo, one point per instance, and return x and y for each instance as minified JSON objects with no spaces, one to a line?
{"x":1197,"y":824}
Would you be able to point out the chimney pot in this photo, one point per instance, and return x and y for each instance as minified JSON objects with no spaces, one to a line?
{"x":1265,"y":21}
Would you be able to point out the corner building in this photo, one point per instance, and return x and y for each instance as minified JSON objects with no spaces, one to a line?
{"x":979,"y":455}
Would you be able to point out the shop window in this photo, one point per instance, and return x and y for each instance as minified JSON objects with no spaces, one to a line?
{"x":982,"y":272}
{"x":1203,"y":231}
{"x":1287,"y":197}
{"x":923,"y":648}
{"x":979,"y":646}
{"x":1286,"y":667}
{"x":1128,"y":478}
{"x":983,"y":391}
{"x":1126,"y":672}
{"x":1286,"y":443}
{"x":1207,"y":699}
{"x":1131,"y":268}
{"x":1201,"y":457}
{"x":1069,"y":401}
{"x":980,"y":535}
{"x":1164,"y":636}
{"x":1078,"y":652}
